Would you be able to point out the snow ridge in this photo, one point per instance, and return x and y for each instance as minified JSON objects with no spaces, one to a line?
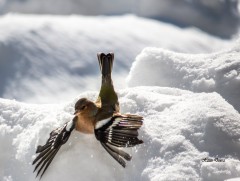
{"x":218,"y":72}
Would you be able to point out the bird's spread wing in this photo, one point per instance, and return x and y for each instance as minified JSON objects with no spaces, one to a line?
{"x":119,"y":131}
{"x":47,"y":152}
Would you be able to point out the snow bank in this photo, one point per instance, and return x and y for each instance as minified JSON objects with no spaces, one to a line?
{"x":218,"y":72}
{"x":219,"y":17}
{"x":180,"y":129}
{"x":52,"y":58}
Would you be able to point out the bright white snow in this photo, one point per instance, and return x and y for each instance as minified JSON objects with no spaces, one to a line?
{"x":218,"y":72}
{"x":180,"y":129}
{"x":219,"y":17}
{"x":187,"y":88}
{"x":50,"y":59}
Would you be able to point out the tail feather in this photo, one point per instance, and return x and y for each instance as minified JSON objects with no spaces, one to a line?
{"x":105,"y":63}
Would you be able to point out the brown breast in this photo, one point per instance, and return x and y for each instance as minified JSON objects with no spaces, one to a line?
{"x":85,"y":124}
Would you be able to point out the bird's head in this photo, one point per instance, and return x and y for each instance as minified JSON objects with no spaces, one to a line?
{"x":85,"y":107}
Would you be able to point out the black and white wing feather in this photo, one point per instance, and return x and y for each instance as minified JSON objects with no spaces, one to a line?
{"x":47,"y":152}
{"x":119,"y":131}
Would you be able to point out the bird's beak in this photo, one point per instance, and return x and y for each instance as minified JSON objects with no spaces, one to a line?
{"x":76,"y":111}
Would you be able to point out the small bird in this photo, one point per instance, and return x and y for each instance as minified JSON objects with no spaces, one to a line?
{"x":102,"y":118}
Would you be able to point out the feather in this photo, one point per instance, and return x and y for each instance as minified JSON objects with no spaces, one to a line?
{"x":115,"y":155}
{"x":47,"y":152}
{"x":105,"y":63}
{"x":118,"y":132}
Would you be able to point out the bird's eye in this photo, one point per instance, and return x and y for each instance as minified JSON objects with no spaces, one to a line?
{"x":83,"y":107}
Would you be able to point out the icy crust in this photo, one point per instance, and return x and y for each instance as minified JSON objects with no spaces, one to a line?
{"x":180,"y":129}
{"x":218,"y":72}
{"x":50,"y":57}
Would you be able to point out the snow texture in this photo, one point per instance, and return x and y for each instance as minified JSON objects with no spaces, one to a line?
{"x":180,"y":129}
{"x":49,"y":59}
{"x":234,"y":179}
{"x":186,"y":88}
{"x":216,"y":72}
{"x":219,"y":17}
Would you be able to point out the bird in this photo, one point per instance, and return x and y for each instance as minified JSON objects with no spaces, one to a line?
{"x":102,"y":118}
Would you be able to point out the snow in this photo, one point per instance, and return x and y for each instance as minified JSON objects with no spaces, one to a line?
{"x":184,"y":81}
{"x":234,"y":179}
{"x":53,"y":58}
{"x":215,"y":72}
{"x":180,"y":129}
{"x":219,"y":17}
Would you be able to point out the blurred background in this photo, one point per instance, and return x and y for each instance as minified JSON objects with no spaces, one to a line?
{"x":48,"y":48}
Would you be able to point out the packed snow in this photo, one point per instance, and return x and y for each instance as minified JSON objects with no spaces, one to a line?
{"x":181,"y":128}
{"x":45,"y":51}
{"x":216,"y":72}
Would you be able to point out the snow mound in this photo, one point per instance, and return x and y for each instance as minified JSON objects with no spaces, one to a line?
{"x":218,"y":72}
{"x":45,"y":51}
{"x":180,"y":129}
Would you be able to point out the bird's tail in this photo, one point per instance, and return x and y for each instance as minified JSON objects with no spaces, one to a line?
{"x":105,"y":63}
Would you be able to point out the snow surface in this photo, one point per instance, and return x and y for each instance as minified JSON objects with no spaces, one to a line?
{"x":180,"y":129}
{"x":234,"y":179}
{"x":186,"y":88}
{"x":49,"y":59}
{"x":219,"y":17}
{"x":216,"y":72}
